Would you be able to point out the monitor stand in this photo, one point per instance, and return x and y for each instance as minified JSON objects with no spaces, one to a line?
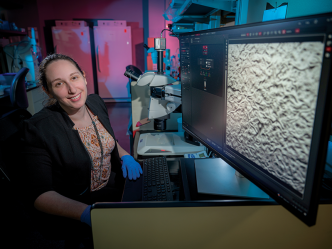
{"x":215,"y":176}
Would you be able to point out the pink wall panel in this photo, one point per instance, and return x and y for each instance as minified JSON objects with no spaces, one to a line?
{"x":156,"y":20}
{"x":129,"y":10}
{"x":137,"y":39}
{"x":172,"y":42}
{"x":157,"y":23}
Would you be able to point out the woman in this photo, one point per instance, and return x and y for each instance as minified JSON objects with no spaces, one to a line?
{"x":72,"y":158}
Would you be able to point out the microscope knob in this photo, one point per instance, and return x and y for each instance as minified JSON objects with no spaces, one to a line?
{"x":170,"y":107}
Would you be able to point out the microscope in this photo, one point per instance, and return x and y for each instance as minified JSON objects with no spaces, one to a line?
{"x":165,"y":98}
{"x":165,"y":91}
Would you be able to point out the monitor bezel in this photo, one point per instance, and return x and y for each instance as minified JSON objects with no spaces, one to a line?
{"x":323,"y":136}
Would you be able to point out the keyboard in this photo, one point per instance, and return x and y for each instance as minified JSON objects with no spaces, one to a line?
{"x":156,"y":182}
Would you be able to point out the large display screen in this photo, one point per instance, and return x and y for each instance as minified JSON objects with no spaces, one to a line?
{"x":258,"y":95}
{"x":271,"y":104}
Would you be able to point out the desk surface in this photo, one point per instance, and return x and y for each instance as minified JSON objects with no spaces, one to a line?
{"x":184,"y":187}
{"x":196,"y":226}
{"x":28,"y":88}
{"x":183,"y":169}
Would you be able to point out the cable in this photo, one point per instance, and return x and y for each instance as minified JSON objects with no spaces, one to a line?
{"x":161,"y":33}
{"x":169,"y":30}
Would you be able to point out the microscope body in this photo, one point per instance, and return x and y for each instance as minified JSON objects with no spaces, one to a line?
{"x":165,"y":97}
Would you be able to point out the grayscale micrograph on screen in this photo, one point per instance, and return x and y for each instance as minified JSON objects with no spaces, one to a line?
{"x":271,"y":101}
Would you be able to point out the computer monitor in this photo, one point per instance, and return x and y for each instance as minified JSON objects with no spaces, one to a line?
{"x":259,"y":96}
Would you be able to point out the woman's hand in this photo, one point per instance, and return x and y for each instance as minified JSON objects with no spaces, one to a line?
{"x":52,"y":202}
{"x":130,"y":166}
{"x":86,"y":216}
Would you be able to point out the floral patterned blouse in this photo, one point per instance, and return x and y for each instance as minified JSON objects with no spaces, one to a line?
{"x":99,"y":175}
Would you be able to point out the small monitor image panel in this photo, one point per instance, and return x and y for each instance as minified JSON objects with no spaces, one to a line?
{"x":201,"y":75}
{"x":274,"y":108}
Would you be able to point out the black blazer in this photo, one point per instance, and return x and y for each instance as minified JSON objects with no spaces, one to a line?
{"x":54,"y":155}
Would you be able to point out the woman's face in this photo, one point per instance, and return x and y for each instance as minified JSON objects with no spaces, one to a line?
{"x":67,"y":85}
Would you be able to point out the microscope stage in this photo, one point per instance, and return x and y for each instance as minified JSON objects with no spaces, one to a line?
{"x":165,"y":143}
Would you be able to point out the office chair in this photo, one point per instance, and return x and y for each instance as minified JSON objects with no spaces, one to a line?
{"x":9,"y":140}
{"x":17,"y":94}
{"x":11,"y":116}
{"x":11,"y":209}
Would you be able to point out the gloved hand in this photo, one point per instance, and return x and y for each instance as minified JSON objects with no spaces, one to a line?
{"x":86,"y":216}
{"x":129,"y":164}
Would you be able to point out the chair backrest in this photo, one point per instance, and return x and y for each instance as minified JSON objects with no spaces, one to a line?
{"x":10,"y":144}
{"x":18,"y":95}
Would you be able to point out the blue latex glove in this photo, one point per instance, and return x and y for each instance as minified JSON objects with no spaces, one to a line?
{"x":129,"y":164}
{"x":86,"y":216}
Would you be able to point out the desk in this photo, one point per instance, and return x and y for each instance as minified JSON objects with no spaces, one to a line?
{"x":36,"y":97}
{"x":29,"y":87}
{"x":183,"y":183}
{"x":194,"y":220}
{"x":203,"y":221}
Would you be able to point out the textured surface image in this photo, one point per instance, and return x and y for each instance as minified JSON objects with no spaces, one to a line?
{"x":271,"y":99}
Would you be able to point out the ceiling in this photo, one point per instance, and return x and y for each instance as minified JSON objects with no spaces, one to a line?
{"x":16,"y":4}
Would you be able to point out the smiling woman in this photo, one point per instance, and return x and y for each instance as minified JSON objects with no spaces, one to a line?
{"x":73,"y":158}
{"x":55,"y":76}
{"x":68,"y":86}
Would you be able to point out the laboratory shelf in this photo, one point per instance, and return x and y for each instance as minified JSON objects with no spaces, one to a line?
{"x":203,"y":14}
{"x":196,"y":9}
{"x":191,"y":19}
{"x":7,"y":33}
